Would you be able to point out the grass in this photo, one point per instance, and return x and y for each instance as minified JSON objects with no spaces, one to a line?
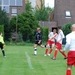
{"x":21,"y":61}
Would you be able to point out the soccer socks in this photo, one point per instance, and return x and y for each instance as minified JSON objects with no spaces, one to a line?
{"x":63,"y":54}
{"x":46,"y":52}
{"x":68,"y":72}
{"x":50,"y":51}
{"x":55,"y":54}
{"x":35,"y":51}
{"x":3,"y":52}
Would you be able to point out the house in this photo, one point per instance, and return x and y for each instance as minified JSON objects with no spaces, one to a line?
{"x":64,"y":12}
{"x":13,"y":7}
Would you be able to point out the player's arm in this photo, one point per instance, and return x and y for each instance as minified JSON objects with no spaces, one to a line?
{"x":40,"y":38}
{"x":67,"y":43}
{"x":62,"y":35}
{"x":53,"y":37}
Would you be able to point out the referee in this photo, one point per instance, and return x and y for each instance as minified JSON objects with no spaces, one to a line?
{"x":2,"y":44}
{"x":38,"y":40}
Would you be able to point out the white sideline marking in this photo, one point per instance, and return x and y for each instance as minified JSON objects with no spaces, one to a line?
{"x":29,"y":62}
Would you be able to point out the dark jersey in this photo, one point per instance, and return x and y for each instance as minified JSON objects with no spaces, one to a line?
{"x":38,"y":36}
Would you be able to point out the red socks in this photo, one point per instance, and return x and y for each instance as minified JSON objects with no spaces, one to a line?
{"x":68,"y":72}
{"x":63,"y":54}
{"x":46,"y":52}
{"x":55,"y":54}
{"x":50,"y":51}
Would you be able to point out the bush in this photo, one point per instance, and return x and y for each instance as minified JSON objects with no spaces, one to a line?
{"x":2,"y":29}
{"x":67,"y":28}
{"x":45,"y":34}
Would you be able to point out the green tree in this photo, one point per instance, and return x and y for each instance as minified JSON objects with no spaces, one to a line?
{"x":27,"y":24}
{"x":28,"y":6}
{"x":4,"y":20}
{"x":67,"y":28}
{"x":43,"y":13}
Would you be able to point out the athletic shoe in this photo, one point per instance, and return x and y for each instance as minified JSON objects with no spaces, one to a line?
{"x":53,"y":58}
{"x":65,"y":58}
{"x":45,"y":55}
{"x":4,"y":56}
{"x":48,"y":54}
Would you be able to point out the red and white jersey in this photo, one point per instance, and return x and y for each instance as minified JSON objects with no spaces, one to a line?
{"x":51,"y":34}
{"x":70,"y":41}
{"x":60,"y":36}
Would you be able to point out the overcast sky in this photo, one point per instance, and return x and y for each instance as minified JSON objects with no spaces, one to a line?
{"x":49,"y":3}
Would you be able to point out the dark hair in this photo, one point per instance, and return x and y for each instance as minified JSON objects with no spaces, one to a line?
{"x":59,"y":27}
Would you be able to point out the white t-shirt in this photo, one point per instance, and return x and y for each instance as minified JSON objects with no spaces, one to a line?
{"x":51,"y":34}
{"x":60,"y":36}
{"x":70,"y":41}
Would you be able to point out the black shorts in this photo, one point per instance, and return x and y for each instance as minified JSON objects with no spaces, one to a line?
{"x":36,"y":42}
{"x":1,"y":45}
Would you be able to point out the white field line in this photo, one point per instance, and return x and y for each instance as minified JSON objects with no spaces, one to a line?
{"x":29,"y":61}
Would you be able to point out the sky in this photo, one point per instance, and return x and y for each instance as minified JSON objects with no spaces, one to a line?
{"x":49,"y":3}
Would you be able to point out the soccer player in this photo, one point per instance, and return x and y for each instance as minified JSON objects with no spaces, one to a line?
{"x":50,"y":42}
{"x":38,"y":40}
{"x":59,"y":39}
{"x":2,"y":44}
{"x":70,"y":43}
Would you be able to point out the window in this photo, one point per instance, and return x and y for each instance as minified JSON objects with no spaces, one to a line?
{"x":14,"y":10}
{"x":18,"y":2}
{"x":12,"y":2}
{"x":6,"y":8}
{"x":68,"y":14}
{"x":5,"y":2}
{"x":0,"y":2}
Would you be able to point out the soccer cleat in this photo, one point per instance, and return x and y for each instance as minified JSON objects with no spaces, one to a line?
{"x":45,"y":46}
{"x":48,"y":54}
{"x":65,"y":58}
{"x":4,"y":56}
{"x":45,"y":55}
{"x":53,"y":58}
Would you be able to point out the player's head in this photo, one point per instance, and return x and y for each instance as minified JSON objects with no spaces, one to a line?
{"x":59,"y":27}
{"x":54,"y":30}
{"x":73,"y":27}
{"x":0,"y":33}
{"x":38,"y":29}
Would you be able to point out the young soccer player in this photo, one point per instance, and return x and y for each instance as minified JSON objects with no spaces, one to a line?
{"x":50,"y":42}
{"x":70,"y":43}
{"x":59,"y":39}
{"x":2,"y":44}
{"x":38,"y":40}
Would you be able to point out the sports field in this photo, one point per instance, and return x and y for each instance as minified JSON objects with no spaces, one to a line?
{"x":21,"y":61}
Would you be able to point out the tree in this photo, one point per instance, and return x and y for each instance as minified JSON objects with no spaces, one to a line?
{"x":43,"y":13}
{"x":4,"y":20}
{"x":28,"y":6}
{"x":27,"y":24}
{"x":67,"y":28}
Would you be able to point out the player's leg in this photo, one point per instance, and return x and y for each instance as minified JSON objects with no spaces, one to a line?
{"x":63,"y":53}
{"x":68,"y":71}
{"x":35,"y":49}
{"x":42,"y":46}
{"x":46,"y":51}
{"x":51,"y":49}
{"x":55,"y":54}
{"x":2,"y":48}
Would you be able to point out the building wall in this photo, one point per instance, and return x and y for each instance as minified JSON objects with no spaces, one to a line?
{"x":51,"y":25}
{"x":60,"y":8}
{"x":17,"y":6}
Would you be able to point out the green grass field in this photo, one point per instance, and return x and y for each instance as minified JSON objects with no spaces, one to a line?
{"x":21,"y":61}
